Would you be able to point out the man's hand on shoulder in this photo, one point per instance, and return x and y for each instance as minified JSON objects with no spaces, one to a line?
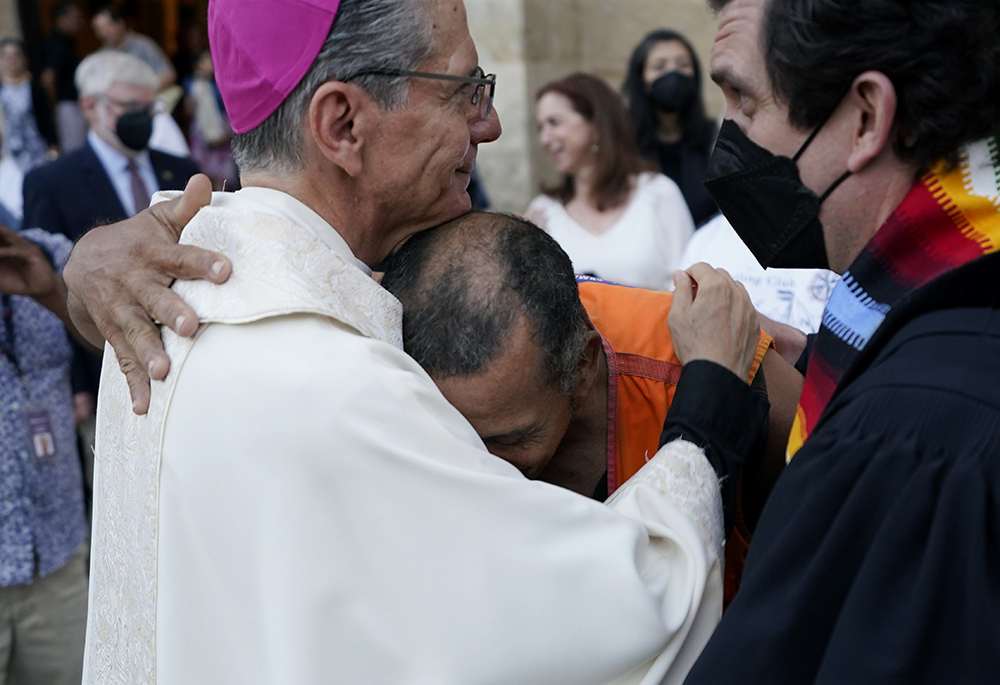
{"x":118,"y":284}
{"x":712,"y":318}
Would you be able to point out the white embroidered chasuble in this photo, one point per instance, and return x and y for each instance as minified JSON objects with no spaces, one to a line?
{"x":302,"y":505}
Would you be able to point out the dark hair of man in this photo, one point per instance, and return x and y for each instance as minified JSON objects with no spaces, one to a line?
{"x":62,"y":8}
{"x":111,"y":12}
{"x":697,"y":130}
{"x":464,"y":284}
{"x":618,"y":157}
{"x":942,"y":56}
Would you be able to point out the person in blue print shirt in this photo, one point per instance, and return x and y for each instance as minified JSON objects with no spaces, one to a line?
{"x":43,"y":525}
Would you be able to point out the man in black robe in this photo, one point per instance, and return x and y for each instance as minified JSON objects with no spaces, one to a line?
{"x":858,"y":136}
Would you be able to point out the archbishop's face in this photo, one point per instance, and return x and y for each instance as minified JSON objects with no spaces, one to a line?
{"x":425,"y":151}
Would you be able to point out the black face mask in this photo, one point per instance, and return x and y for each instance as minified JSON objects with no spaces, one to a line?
{"x":134,"y":129}
{"x":764,"y":198}
{"x":672,"y":92}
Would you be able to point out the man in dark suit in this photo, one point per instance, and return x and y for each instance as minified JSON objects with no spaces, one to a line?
{"x":113,"y":175}
{"x":110,"y":178}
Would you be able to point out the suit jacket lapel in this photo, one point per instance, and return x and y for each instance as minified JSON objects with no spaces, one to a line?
{"x":99,"y":184}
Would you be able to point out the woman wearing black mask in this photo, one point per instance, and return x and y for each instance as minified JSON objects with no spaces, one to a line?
{"x":663,"y":88}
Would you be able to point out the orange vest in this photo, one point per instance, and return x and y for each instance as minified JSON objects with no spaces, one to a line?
{"x":642,"y":379}
{"x":642,"y":370}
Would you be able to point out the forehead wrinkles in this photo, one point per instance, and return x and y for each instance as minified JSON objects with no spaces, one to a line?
{"x":739,"y":28}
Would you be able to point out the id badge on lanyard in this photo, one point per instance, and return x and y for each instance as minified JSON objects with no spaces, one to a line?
{"x":37,"y":417}
{"x":41,"y":437}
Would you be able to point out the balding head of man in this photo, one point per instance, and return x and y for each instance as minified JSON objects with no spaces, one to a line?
{"x":492,"y":312}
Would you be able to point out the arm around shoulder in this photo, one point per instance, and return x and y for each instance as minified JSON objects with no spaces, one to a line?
{"x":427,"y":531}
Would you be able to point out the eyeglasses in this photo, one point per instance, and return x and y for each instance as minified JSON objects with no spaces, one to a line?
{"x":128,"y":106}
{"x":481,"y":98}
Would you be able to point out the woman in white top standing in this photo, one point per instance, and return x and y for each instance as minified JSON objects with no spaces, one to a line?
{"x":617,"y":219}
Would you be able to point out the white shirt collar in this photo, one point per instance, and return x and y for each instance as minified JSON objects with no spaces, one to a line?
{"x":280,"y":203}
{"x":112,"y":159}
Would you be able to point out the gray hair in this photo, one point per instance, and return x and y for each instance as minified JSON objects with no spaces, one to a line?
{"x":97,"y":72}
{"x":366,"y":34}
{"x":465,"y":284}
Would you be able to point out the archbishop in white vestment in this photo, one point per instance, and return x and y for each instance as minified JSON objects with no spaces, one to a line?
{"x":302,"y":505}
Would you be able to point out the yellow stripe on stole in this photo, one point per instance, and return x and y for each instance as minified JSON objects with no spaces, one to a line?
{"x":797,"y":437}
{"x":975,"y":215}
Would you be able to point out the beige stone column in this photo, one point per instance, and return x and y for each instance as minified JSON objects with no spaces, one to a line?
{"x":530,"y":42}
{"x":10,"y":24}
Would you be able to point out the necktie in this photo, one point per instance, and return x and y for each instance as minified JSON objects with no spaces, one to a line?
{"x":140,"y":194}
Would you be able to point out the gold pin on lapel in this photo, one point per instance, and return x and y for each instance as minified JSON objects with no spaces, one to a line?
{"x":167,"y":175}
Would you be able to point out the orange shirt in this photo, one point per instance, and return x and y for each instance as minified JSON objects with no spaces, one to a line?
{"x":642,"y":369}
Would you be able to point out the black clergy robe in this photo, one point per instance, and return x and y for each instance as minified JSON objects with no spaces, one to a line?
{"x":877,"y":557}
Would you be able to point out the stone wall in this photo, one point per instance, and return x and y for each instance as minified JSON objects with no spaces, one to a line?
{"x":530,"y":42}
{"x":10,"y":25}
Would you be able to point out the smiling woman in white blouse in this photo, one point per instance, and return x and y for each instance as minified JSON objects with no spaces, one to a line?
{"x":615,"y":217}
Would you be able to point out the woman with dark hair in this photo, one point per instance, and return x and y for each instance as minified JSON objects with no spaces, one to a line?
{"x":663,"y":89}
{"x":613,"y":214}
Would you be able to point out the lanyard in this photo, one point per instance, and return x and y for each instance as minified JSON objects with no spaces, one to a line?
{"x":38,"y":419}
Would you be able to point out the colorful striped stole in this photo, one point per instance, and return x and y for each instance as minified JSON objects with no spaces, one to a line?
{"x":948,"y":219}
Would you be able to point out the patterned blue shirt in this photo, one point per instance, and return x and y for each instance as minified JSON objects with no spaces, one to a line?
{"x":42,"y":519}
